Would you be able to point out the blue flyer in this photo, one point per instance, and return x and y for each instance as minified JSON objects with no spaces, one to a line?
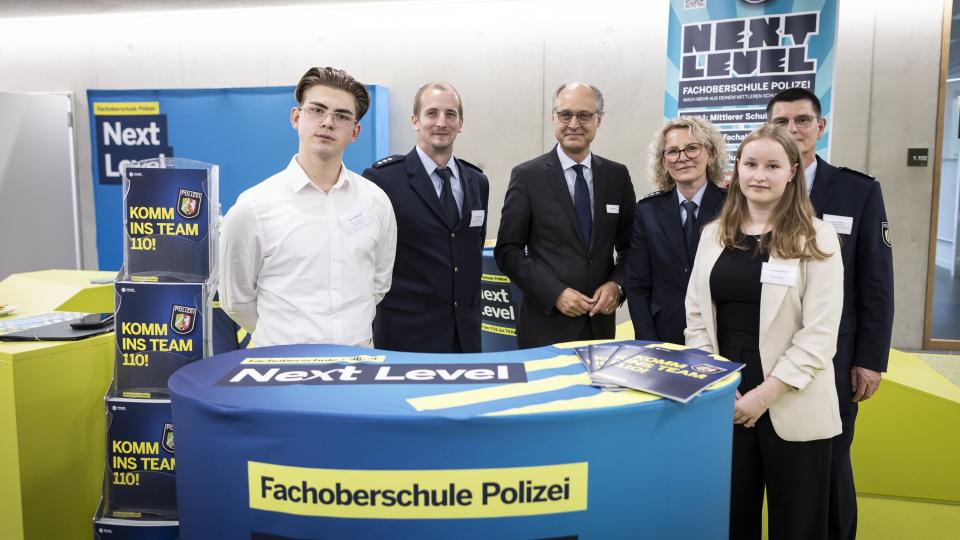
{"x":674,"y":373}
{"x":140,"y":476}
{"x":166,"y":220}
{"x":160,"y":327}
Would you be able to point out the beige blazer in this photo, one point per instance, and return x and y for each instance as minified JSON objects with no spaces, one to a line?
{"x":798,"y":333}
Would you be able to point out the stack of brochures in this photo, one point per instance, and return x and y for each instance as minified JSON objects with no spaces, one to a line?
{"x":671,"y":371}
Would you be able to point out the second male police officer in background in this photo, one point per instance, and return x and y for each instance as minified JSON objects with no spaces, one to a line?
{"x":563,"y":215}
{"x":851,"y":201}
{"x":441,"y":207}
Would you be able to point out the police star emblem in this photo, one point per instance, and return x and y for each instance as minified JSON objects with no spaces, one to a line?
{"x":708,"y":369}
{"x":166,"y":440}
{"x":183,"y":319}
{"x":885,"y":233}
{"x":188,"y":203}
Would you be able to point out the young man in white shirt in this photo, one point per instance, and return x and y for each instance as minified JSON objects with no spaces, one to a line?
{"x":306,"y":255}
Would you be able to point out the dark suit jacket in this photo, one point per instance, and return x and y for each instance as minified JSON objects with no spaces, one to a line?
{"x":436,"y":275}
{"x":658,"y":268}
{"x":540,"y":249}
{"x":867,"y":320}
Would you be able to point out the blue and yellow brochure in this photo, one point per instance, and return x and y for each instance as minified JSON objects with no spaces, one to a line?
{"x":673,"y":372}
{"x":167,"y":216}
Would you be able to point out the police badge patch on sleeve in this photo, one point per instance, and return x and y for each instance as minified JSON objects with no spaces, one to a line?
{"x":885,"y":233}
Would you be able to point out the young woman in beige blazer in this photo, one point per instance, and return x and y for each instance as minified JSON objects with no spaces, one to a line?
{"x":767,"y":290}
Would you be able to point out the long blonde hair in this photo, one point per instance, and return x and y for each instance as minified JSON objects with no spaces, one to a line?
{"x":792,"y":233}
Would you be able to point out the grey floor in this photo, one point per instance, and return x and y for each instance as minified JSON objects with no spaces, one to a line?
{"x":946,"y":305}
{"x":945,"y":363}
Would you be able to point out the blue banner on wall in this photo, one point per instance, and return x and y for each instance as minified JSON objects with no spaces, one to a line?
{"x":246,"y":131}
{"x":727,"y":58}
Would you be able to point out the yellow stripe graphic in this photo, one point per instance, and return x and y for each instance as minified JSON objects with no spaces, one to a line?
{"x":317,"y":359}
{"x":598,"y":401}
{"x":498,"y":329}
{"x":494,"y":278}
{"x":126,"y":108}
{"x":482,"y":395}
{"x":575,"y":344}
{"x":551,"y":363}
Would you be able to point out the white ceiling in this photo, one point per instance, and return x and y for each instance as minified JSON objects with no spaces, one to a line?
{"x":47,"y":8}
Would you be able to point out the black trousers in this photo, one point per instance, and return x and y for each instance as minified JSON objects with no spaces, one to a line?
{"x":586,"y":333}
{"x":795,"y":475}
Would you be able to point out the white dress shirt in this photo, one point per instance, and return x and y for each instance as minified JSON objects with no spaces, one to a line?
{"x":810,"y":173}
{"x":298,"y":265}
{"x":571,"y":175}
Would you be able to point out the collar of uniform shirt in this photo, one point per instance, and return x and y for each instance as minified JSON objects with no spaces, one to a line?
{"x":697,"y":197}
{"x":811,"y":173}
{"x":431,"y":165}
{"x":297,"y":178}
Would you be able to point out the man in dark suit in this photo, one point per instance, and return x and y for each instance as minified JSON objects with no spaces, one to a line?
{"x":852,"y":202}
{"x":687,"y":161}
{"x":563,"y":215}
{"x":441,"y":206}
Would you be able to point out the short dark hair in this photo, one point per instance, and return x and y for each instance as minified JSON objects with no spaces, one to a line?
{"x":438,"y":86}
{"x":794,"y":94}
{"x":337,"y":79}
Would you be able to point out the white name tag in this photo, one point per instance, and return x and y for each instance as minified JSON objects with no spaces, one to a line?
{"x":778,"y":274}
{"x":354,"y":222}
{"x":843,"y":224}
{"x":476,"y":217}
{"x":613,"y":208}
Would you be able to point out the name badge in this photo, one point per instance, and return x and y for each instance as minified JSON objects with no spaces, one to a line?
{"x":778,"y":274}
{"x":354,"y":222}
{"x":476,"y":217}
{"x":843,"y":224}
{"x":613,"y":208}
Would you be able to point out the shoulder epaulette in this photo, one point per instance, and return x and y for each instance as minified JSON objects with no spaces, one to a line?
{"x":471,"y":165}
{"x":856,"y":172}
{"x":396,"y":158}
{"x":653,"y":195}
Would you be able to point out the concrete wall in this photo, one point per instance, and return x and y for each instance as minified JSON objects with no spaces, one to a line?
{"x":506,"y":58}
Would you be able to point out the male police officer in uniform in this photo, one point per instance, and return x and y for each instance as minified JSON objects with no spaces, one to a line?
{"x":851,"y":201}
{"x":441,"y":207}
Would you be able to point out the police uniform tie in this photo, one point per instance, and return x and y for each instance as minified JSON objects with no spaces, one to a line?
{"x":448,"y":204}
{"x":581,"y":200}
{"x":690,"y":229}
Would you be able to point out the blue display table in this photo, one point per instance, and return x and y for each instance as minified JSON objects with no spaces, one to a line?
{"x":341,"y":442}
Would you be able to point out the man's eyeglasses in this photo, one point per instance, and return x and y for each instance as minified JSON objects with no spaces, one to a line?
{"x":801,"y":121}
{"x":692,"y":151}
{"x":583,"y":117}
{"x":317,"y":114}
